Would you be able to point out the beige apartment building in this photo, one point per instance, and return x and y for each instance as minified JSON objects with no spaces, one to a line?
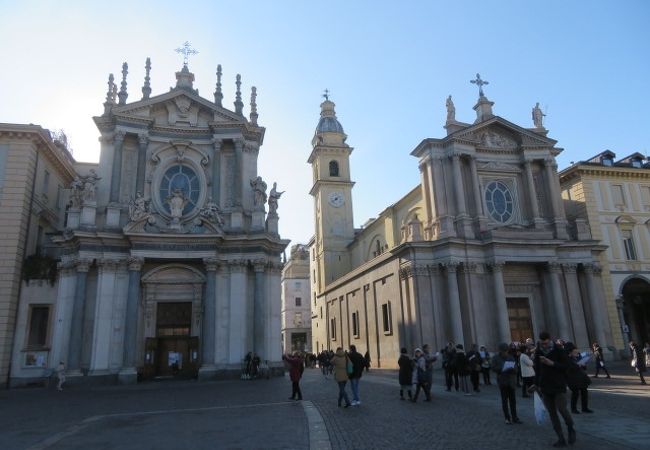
{"x":613,"y":197}
{"x":296,"y":311}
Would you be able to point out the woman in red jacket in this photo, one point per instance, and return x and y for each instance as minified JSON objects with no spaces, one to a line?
{"x":296,"y":368}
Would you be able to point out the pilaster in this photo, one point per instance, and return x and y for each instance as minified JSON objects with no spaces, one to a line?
{"x":559,"y":307}
{"x":501,"y":304}
{"x":208,"y":368}
{"x":128,"y":373}
{"x":455,"y":314}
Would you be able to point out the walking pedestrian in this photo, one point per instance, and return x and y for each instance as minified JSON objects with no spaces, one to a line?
{"x":448,"y":356}
{"x":429,"y":359}
{"x":485,"y":364}
{"x":577,"y":380}
{"x":600,"y":360}
{"x":405,"y":374}
{"x":358,"y":364}
{"x":462,"y":368}
{"x":551,"y":364}
{"x":638,"y":360}
{"x":296,"y":369}
{"x":527,"y":370}
{"x":475,"y":361}
{"x":503,"y":363}
{"x":339,"y":363}
{"x":60,"y":375}
{"x":419,"y":375}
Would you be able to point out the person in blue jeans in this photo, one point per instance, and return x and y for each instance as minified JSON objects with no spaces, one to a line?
{"x":358,"y":364}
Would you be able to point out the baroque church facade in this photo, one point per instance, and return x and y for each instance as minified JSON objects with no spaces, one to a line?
{"x":170,"y":261}
{"x":480,"y":251}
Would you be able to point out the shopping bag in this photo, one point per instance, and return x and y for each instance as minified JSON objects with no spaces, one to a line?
{"x":541,"y":414}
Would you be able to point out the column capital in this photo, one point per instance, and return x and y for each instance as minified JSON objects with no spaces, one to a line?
{"x":118,"y":137}
{"x":554,"y":267}
{"x":211,"y":264}
{"x":134,"y":263}
{"x":451,"y":266}
{"x":109,"y":264}
{"x":260,"y":265}
{"x":496,"y":266}
{"x":237,"y":265}
{"x":143,"y":140}
{"x":570,"y":267}
{"x":591,"y":268}
{"x":239,"y":144}
{"x":217,"y":143}
{"x":83,"y":264}
{"x":66,"y":267}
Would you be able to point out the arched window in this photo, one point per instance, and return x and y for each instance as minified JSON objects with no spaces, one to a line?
{"x":334,"y":169}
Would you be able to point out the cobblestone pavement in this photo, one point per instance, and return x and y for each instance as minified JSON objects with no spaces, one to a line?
{"x":256,"y":414}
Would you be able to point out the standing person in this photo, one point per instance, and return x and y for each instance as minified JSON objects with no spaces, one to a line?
{"x":429,"y":359}
{"x":448,"y":356}
{"x":60,"y":375}
{"x":600,"y":360}
{"x":366,"y":359}
{"x":462,"y":368}
{"x":475,"y":361}
{"x":419,"y":375}
{"x":296,"y":368}
{"x":527,"y":369}
{"x":485,"y":365}
{"x":339,"y":364}
{"x":646,"y":350}
{"x":503,"y":363}
{"x":405,"y":374}
{"x":577,"y":380}
{"x":358,"y":364}
{"x":638,"y":360}
{"x":551,"y":364}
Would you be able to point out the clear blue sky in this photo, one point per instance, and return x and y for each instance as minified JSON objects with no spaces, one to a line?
{"x":389,"y":67}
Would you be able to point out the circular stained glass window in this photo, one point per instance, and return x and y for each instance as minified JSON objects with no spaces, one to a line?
{"x":499,"y":201}
{"x":184,"y":179}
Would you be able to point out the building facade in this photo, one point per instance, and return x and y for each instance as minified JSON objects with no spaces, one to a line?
{"x":169,"y":260}
{"x":479,"y":252}
{"x":296,"y":311}
{"x":613,"y":197}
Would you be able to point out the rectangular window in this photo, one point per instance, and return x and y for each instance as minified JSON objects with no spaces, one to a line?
{"x":387,"y":319}
{"x":333,"y":328}
{"x":355,"y":324}
{"x":296,"y":285}
{"x":39,"y":317}
{"x":617,"y":195}
{"x":58,"y":197}
{"x":298,"y":301}
{"x":645,"y":197}
{"x":46,"y":182}
{"x":321,"y":312}
{"x":628,"y":243}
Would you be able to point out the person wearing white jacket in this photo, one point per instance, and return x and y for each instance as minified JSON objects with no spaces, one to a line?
{"x":527,"y":370}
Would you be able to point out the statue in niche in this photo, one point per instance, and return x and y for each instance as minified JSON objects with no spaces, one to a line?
{"x":211,"y":212}
{"x":139,"y":208}
{"x":90,"y":186}
{"x":76,"y":194}
{"x":177,"y":202}
{"x":259,"y":189}
{"x":274,"y":195}
{"x":538,"y":116}
{"x":451,"y":110}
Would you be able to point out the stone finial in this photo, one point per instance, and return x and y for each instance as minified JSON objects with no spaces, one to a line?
{"x":110,"y":97}
{"x":218,"y":95}
{"x":114,"y":93}
{"x":254,"y":115}
{"x":123,"y":94}
{"x":146,"y":89}
{"x":239,"y":105}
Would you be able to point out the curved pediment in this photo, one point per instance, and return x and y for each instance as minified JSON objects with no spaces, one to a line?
{"x":173,"y":274}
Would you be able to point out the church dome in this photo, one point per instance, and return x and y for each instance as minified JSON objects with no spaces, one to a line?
{"x":328,"y":122}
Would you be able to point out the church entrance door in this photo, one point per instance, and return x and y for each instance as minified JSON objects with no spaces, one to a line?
{"x":636,"y":312}
{"x":521,"y":324}
{"x":176,"y":352}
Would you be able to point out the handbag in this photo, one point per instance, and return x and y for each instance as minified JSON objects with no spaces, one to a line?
{"x":633,"y":362}
{"x":541,"y":414}
{"x":348,"y":366}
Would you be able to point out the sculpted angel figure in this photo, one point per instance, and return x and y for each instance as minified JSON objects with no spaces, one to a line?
{"x":76,"y":192}
{"x":139,"y":208}
{"x":274,"y":195}
{"x":90,"y":186}
{"x":211,"y":212}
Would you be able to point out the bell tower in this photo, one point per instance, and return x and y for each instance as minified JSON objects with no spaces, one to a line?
{"x":332,"y":192}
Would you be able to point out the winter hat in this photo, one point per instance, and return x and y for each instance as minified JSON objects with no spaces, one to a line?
{"x":403,"y":350}
{"x":569,"y":347}
{"x":418,"y":350}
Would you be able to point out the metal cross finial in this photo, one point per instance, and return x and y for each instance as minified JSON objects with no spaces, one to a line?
{"x":480,"y":83}
{"x":327,"y":94}
{"x":186,"y":50}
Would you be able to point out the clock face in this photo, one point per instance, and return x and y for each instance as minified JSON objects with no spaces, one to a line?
{"x":336,"y":199}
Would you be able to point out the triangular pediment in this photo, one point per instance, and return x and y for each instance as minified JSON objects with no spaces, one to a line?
{"x":499,"y":133}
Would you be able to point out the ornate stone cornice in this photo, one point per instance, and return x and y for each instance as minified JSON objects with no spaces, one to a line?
{"x":135,"y":263}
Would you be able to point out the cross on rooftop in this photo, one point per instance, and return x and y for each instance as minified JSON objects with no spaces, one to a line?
{"x":327,"y":94}
{"x":480,"y":83}
{"x":186,"y":50}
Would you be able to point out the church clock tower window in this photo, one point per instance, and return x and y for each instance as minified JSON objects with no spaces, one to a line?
{"x":334,"y":169}
{"x":180,"y":178}
{"x":499,"y":201}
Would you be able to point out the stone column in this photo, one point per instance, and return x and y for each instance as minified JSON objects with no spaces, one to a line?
{"x":116,"y":173}
{"x":553,"y":188}
{"x":581,"y":338}
{"x":532,"y":193}
{"x":458,"y":185}
{"x":208,"y":333}
{"x":216,"y":171}
{"x":620,"y":306}
{"x":128,"y":374}
{"x":455,"y":315}
{"x":259,"y":315}
{"x":103,"y":316}
{"x":143,"y":142}
{"x":222,"y":301}
{"x":598,"y":311}
{"x":238,"y":328}
{"x":76,"y":325}
{"x":562,"y":320}
{"x":500,"y":303}
{"x":239,"y":168}
{"x":274,"y":305}
{"x":478,"y":199}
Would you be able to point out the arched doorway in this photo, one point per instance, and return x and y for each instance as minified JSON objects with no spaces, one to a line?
{"x":636,"y":295}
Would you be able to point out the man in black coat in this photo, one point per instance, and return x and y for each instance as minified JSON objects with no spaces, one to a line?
{"x":358,"y":364}
{"x":551,"y":364}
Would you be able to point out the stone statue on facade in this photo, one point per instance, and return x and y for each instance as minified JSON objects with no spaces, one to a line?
{"x":90,"y":186}
{"x":76,"y":192}
{"x":259,"y":189}
{"x":177,"y":202}
{"x":451,"y":110}
{"x":274,"y":195}
{"x":139,"y":208}
{"x":211,"y":212}
{"x":538,"y":116}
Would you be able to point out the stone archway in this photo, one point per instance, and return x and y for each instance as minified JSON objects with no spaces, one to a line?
{"x":636,"y":310}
